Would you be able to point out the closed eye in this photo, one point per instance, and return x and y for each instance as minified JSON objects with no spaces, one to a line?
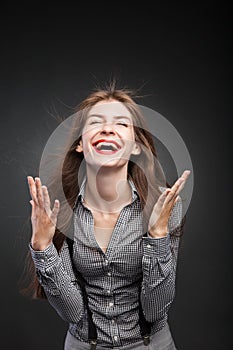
{"x":95,"y":122}
{"x":123,"y":124}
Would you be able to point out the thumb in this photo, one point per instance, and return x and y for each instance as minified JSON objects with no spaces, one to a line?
{"x":33,"y":208}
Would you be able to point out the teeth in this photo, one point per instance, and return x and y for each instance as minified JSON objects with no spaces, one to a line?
{"x":106,"y":146}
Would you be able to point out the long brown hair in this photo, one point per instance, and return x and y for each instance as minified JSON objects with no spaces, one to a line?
{"x":147,"y":184}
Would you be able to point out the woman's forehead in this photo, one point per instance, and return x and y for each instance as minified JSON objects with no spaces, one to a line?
{"x":111,"y":108}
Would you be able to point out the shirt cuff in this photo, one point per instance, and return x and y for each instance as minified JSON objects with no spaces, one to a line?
{"x":157,"y":247}
{"x":44,"y":259}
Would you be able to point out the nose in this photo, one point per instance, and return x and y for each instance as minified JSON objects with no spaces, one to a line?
{"x":107,"y":129}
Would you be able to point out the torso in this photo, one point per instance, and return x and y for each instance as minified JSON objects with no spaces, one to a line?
{"x":103,"y":236}
{"x":104,"y":224}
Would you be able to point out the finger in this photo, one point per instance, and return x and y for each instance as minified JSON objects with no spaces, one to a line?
{"x":55,"y":211}
{"x":46,"y":199}
{"x":39,"y":192}
{"x":173,"y":191}
{"x":178,"y":186}
{"x":185,"y":174}
{"x":32,"y":189}
{"x":184,"y":177}
{"x":178,"y":198}
{"x":159,"y":204}
{"x":162,"y":197}
{"x":181,"y":187}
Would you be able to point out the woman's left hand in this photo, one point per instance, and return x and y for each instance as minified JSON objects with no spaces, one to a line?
{"x":158,"y":223}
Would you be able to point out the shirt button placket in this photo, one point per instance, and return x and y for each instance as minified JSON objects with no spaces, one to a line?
{"x":109,"y":309}
{"x":108,"y":283}
{"x":114,"y":333}
{"x":113,"y":323}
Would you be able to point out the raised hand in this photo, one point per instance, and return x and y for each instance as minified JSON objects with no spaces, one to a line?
{"x":43,"y":219}
{"x":158,"y":223}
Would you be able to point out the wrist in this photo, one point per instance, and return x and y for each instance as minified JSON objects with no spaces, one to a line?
{"x":40,"y":245}
{"x":158,"y":232}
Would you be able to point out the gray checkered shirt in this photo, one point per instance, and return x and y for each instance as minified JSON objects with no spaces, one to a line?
{"x":134,"y":264}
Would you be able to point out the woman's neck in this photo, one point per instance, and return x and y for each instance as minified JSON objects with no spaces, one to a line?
{"x":108,"y":190}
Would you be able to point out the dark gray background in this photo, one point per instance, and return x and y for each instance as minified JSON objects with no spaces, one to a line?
{"x":181,"y":54}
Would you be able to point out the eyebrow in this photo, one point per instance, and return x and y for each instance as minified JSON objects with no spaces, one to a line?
{"x":115,"y":117}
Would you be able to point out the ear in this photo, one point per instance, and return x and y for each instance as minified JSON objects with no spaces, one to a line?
{"x":136,"y":149}
{"x":79,"y":147}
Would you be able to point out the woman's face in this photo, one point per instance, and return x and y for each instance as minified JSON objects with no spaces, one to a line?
{"x":108,"y":137}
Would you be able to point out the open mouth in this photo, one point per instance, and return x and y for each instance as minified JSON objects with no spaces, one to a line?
{"x":106,"y":146}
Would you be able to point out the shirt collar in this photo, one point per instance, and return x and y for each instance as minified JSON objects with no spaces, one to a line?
{"x":81,"y":193}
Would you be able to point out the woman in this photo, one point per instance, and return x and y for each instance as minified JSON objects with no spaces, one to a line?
{"x":114,"y":282}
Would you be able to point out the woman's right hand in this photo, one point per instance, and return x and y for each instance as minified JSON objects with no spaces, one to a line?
{"x":43,"y":219}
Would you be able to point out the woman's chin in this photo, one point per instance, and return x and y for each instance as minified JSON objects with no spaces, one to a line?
{"x":107,"y":162}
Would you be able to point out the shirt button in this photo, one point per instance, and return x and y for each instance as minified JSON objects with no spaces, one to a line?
{"x":113,"y":321}
{"x":108,"y":291}
{"x":106,"y":261}
{"x":109,"y":273}
{"x":115,"y":337}
{"x":148,"y":246}
{"x":42,"y":260}
{"x":110,"y":304}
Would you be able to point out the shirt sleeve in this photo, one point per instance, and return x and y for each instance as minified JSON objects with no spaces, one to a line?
{"x":55,"y":274}
{"x":159,"y":268}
